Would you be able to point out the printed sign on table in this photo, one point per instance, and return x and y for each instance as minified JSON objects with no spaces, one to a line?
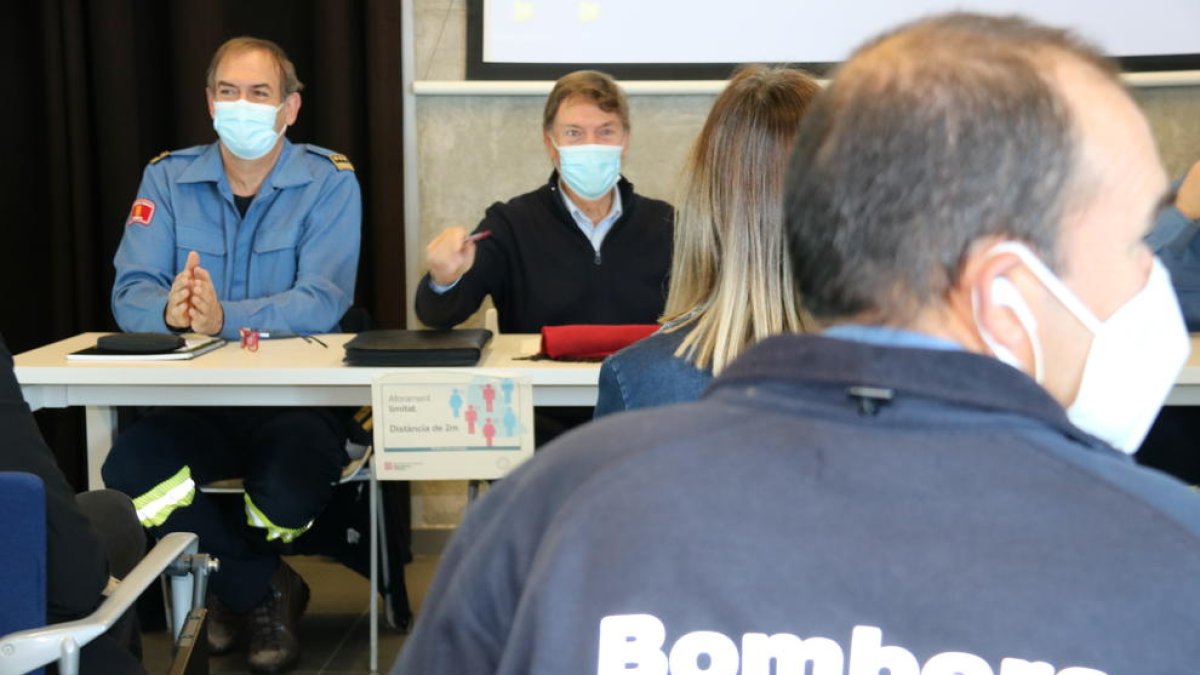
{"x":450,"y":425}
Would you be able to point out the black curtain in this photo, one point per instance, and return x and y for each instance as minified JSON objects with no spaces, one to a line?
{"x":98,"y":87}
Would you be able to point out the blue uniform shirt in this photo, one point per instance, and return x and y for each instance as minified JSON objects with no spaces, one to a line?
{"x":288,"y":267}
{"x":885,"y":336}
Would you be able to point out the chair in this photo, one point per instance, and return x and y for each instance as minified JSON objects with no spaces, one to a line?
{"x":27,"y":644}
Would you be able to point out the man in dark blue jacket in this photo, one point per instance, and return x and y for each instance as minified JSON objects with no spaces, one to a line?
{"x":939,"y":483}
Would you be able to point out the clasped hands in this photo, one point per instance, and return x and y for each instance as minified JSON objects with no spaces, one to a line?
{"x":192,"y":302}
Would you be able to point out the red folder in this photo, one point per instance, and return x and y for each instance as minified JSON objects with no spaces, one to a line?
{"x":587,"y":342}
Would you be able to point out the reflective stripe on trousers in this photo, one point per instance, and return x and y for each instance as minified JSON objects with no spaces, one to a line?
{"x":155,"y":506}
{"x":256,"y":518}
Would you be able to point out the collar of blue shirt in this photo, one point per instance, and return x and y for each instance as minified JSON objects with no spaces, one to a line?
{"x":289,"y":169}
{"x":886,"y":336}
{"x":594,"y":233}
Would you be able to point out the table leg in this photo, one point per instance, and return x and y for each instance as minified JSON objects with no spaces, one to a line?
{"x":373,"y":486}
{"x":101,"y":422}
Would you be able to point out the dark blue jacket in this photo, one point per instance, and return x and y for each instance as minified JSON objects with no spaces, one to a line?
{"x":647,"y":373}
{"x":859,"y":506}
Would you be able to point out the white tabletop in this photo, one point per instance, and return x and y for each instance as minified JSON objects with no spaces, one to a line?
{"x":295,"y":366}
{"x":295,"y":372}
{"x":292,"y":371}
{"x":282,"y":372}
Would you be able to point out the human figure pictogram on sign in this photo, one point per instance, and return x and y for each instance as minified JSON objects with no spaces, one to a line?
{"x":489,"y":431}
{"x":471,"y":415}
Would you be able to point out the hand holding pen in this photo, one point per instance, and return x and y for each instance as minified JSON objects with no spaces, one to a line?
{"x":451,"y":254}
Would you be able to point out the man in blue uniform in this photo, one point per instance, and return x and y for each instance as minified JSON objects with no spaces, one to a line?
{"x":936,"y":484}
{"x":248,"y":232}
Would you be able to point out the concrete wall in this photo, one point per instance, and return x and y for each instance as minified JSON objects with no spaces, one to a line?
{"x":474,"y":150}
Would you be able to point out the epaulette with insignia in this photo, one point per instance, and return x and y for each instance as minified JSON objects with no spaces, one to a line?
{"x":159,"y":156}
{"x":341,"y":162}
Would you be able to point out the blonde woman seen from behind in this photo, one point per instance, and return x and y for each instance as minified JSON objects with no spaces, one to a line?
{"x":731,"y":281}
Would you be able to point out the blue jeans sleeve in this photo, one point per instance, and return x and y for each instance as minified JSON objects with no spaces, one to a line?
{"x":611,"y":398}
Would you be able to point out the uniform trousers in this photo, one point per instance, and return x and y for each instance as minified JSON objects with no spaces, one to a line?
{"x":289,"y":459}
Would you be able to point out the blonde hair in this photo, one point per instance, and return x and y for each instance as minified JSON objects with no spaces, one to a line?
{"x":731,"y":276}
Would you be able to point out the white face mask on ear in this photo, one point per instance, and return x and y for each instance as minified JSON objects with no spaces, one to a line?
{"x":1134,"y":358}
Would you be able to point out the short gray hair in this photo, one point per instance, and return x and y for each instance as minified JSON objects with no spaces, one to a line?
{"x":932,"y":137}
{"x":288,"y":82}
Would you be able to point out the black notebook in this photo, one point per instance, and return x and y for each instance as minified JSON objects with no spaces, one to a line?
{"x":190,"y":347}
{"x":417,"y":347}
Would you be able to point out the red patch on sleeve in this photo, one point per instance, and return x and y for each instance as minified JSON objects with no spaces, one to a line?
{"x":142,"y":212}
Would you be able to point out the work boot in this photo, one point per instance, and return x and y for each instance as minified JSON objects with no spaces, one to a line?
{"x":225,"y":627}
{"x":274,"y":646}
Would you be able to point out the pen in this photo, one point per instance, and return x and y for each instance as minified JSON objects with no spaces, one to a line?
{"x":311,"y":338}
{"x":479,"y":236}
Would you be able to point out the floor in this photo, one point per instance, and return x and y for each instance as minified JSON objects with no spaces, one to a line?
{"x":335,"y":631}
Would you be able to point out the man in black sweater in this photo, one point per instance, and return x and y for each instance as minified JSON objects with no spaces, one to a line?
{"x":583,"y":248}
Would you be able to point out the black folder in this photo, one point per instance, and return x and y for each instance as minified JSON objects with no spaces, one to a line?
{"x":417,"y":347}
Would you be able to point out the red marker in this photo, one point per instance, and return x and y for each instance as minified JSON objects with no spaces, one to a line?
{"x":250,"y":338}
{"x":479,"y":236}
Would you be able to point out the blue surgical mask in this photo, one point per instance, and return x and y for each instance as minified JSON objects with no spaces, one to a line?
{"x":590,"y":170}
{"x":247,"y":129}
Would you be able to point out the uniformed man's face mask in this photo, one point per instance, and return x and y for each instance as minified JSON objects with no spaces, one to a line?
{"x":247,"y":129}
{"x":1135,"y":356}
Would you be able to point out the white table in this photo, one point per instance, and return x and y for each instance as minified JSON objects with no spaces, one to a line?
{"x":281,"y":373}
{"x":295,"y":372}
